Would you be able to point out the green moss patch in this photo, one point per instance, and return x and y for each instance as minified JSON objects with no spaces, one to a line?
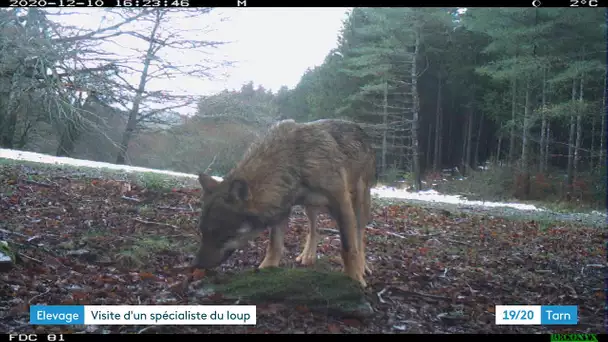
{"x":328,"y":292}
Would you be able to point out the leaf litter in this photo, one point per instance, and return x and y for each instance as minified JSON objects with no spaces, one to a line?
{"x":99,"y":241}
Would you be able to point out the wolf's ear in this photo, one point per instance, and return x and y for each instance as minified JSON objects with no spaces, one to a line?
{"x":239,"y":190}
{"x":208,"y":183}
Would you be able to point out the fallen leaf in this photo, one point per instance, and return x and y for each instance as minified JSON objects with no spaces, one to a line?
{"x":198,"y":274}
{"x":147,"y":276}
{"x":333,"y":329}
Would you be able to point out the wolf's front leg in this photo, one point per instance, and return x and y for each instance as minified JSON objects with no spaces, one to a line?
{"x":275,"y":245}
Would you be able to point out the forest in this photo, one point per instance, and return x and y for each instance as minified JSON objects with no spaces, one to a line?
{"x":444,"y":91}
{"x":520,"y":88}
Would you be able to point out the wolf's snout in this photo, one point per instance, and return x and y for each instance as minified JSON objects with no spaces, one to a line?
{"x":209,"y":258}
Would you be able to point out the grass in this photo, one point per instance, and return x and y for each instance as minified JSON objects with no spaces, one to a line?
{"x":497,"y":185}
{"x":567,"y":207}
{"x":149,"y":180}
{"x":144,"y":248}
{"x":157,"y":182}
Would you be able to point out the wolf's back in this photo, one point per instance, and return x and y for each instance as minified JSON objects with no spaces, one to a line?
{"x":354,"y":142}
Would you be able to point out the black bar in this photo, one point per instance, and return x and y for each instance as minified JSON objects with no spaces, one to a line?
{"x":300,"y":3}
{"x":414,"y":337}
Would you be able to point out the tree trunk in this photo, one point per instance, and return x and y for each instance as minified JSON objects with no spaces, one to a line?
{"x":513,"y":112}
{"x":498,"y":148}
{"x":438,"y":127}
{"x":470,"y":111}
{"x":548,"y":133}
{"x":547,"y":145}
{"x":9,"y":122}
{"x":133,"y":114}
{"x":602,"y":160}
{"x":385,"y":127}
{"x":543,"y":129}
{"x":570,"y":170}
{"x":416,"y":109}
{"x":429,"y":148}
{"x":579,"y":130}
{"x":592,"y":148}
{"x":467,"y":161}
{"x":525,"y":167}
{"x":465,"y":139}
{"x":396,"y":153}
{"x":450,"y":134}
{"x":479,"y":135}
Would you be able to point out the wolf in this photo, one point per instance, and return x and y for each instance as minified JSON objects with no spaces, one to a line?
{"x":349,"y":145}
{"x":321,"y":165}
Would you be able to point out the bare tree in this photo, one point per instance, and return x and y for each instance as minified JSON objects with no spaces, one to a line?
{"x":163,"y":40}
{"x":43,"y":73}
{"x":416,"y":114}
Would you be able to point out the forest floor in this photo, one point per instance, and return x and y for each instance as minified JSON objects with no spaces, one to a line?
{"x":100,"y":237}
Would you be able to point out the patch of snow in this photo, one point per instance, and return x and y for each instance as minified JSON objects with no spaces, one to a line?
{"x":46,"y":159}
{"x":386,"y":192}
{"x":434,"y":196}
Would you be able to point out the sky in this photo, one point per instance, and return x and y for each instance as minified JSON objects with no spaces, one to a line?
{"x":271,"y":46}
{"x":275,"y":46}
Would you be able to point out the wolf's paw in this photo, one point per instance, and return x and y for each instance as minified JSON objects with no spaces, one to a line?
{"x":269,"y":263}
{"x":306,"y":258}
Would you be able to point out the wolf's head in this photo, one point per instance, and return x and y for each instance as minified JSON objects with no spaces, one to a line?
{"x":225,"y":224}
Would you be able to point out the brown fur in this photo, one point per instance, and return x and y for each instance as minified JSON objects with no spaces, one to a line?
{"x":350,"y":145}
{"x":323,"y":164}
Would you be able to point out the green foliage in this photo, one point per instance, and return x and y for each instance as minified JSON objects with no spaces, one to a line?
{"x":496,"y":105}
{"x":493,"y":185}
{"x":577,"y":68}
{"x":563,"y":111}
{"x":156,"y":182}
{"x":253,"y":104}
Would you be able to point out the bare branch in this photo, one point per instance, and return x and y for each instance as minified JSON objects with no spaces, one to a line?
{"x":91,"y":35}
